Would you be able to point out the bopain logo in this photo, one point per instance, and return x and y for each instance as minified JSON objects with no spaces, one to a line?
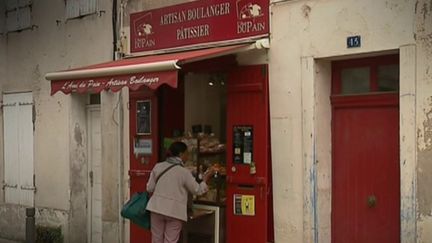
{"x":142,"y":25}
{"x":248,"y":10}
{"x":249,"y":17}
{"x":143,"y":31}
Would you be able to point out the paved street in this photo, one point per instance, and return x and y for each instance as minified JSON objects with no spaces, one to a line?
{"x":8,"y":241}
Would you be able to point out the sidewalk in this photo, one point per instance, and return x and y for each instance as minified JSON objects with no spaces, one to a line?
{"x":8,"y":241}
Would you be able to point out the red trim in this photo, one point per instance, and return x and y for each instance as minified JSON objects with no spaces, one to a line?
{"x":378,"y":99}
{"x":367,"y":61}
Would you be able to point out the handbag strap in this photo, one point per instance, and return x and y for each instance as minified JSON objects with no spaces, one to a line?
{"x":163,"y":172}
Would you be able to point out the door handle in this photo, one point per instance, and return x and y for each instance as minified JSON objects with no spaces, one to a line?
{"x":10,"y":186}
{"x":371,"y":201}
{"x":28,"y":188}
{"x":91,"y":178}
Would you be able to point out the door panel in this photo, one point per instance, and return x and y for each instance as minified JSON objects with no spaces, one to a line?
{"x":247,"y":107}
{"x":141,"y":161}
{"x":366,"y":179}
{"x":95,"y":173}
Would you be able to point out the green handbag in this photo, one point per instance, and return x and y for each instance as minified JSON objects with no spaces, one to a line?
{"x":135,"y":209}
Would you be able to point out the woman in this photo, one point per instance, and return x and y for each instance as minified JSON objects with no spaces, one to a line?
{"x":168,"y":204}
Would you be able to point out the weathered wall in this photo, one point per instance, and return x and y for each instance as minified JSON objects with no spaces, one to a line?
{"x":305,"y":36}
{"x":16,"y":214}
{"x":56,"y":44}
{"x":78,"y":169}
{"x":2,"y":18}
{"x":424,"y":119}
{"x":110,"y":165}
{"x":2,"y":74}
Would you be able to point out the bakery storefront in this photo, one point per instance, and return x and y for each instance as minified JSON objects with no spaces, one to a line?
{"x":197,"y":73}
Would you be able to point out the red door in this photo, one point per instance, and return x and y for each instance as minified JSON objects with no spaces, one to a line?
{"x":144,"y":148}
{"x":365,"y":176}
{"x":248,"y":141}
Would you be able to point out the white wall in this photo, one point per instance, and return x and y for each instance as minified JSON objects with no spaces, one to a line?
{"x":423,"y":27}
{"x":2,"y":74}
{"x":305,"y":36}
{"x":110,"y":128}
{"x":54,"y":44}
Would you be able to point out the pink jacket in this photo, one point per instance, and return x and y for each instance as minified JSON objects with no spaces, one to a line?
{"x":171,"y":192}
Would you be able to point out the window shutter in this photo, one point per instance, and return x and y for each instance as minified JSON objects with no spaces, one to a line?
{"x":12,"y":21}
{"x":10,"y":140}
{"x":72,"y":9}
{"x":18,"y":14}
{"x":87,"y":7}
{"x":78,"y":8}
{"x":18,"y":148}
{"x":11,"y":5}
{"x":25,"y":131}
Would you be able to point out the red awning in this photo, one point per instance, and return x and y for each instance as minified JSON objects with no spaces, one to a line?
{"x":151,"y":71}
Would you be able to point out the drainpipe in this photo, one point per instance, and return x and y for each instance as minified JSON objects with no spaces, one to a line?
{"x":114,"y":28}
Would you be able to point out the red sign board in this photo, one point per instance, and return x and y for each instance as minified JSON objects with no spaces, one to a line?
{"x":198,"y":22}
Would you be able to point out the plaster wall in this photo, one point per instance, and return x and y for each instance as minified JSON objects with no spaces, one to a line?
{"x":110,"y":127}
{"x":305,"y":37}
{"x":424,"y":119}
{"x":56,"y":44}
{"x":2,"y":18}
{"x":2,"y":74}
{"x":78,"y":169}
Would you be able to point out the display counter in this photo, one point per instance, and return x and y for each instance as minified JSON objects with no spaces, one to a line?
{"x":205,"y":225}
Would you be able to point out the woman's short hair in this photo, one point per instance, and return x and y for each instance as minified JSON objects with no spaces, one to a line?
{"x":176,"y":149}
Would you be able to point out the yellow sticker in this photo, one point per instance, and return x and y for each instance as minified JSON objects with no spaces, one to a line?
{"x":248,"y":205}
{"x":244,"y":205}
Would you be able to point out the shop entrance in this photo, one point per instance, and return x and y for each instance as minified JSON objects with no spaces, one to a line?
{"x":221,"y":112}
{"x":144,"y":149}
{"x":365,"y":134}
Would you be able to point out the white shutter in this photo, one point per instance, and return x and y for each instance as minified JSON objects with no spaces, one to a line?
{"x":26,"y":149}
{"x":11,"y":4}
{"x":23,"y":3}
{"x":78,"y":8}
{"x":87,"y":7}
{"x":18,"y":148}
{"x":72,"y":9}
{"x":18,"y":14}
{"x":24,"y":18}
{"x":11,"y":140}
{"x":12,"y":22}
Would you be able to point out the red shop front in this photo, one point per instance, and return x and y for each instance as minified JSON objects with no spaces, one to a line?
{"x":205,"y":97}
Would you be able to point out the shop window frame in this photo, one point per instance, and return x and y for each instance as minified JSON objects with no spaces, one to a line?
{"x":373,"y":63}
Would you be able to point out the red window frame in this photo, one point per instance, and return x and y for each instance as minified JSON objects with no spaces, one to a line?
{"x":372,"y":62}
